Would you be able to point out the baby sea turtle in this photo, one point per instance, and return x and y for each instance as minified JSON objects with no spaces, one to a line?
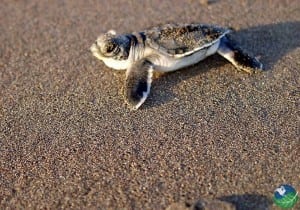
{"x":166,"y":48}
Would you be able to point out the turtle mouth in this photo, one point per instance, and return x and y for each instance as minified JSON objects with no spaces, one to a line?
{"x":96,"y":51}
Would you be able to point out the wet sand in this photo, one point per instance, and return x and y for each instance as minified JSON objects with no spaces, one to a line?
{"x":67,"y":140}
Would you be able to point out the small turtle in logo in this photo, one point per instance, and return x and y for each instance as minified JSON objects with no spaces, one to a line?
{"x":285,"y":196}
{"x":166,"y":48}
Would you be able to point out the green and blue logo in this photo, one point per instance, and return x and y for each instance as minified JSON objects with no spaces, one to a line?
{"x":285,"y":196}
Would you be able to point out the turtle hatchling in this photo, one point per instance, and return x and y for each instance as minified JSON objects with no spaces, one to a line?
{"x":166,"y":48}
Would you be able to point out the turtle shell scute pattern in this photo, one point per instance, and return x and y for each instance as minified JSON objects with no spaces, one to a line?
{"x":176,"y":39}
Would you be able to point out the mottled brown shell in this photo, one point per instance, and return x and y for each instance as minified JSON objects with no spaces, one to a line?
{"x":183,"y":39}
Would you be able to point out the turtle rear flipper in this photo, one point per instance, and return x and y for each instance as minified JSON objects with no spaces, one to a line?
{"x":138,"y":83}
{"x":241,"y":60}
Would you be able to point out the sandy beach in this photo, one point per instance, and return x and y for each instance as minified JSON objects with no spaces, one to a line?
{"x":68,"y":140}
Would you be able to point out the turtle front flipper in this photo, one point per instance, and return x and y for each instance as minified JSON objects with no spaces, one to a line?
{"x":241,"y":60}
{"x":138,"y":83}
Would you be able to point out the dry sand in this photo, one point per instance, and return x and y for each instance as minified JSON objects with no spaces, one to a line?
{"x":67,"y":140}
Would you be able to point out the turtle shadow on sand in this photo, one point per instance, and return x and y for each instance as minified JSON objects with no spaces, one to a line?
{"x":269,"y":42}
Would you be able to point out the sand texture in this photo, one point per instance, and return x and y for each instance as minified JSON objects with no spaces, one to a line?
{"x":68,"y":140}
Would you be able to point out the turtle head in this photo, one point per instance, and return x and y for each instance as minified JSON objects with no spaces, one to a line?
{"x":111,"y":46}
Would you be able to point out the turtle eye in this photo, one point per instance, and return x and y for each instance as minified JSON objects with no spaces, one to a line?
{"x":110,"y":47}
